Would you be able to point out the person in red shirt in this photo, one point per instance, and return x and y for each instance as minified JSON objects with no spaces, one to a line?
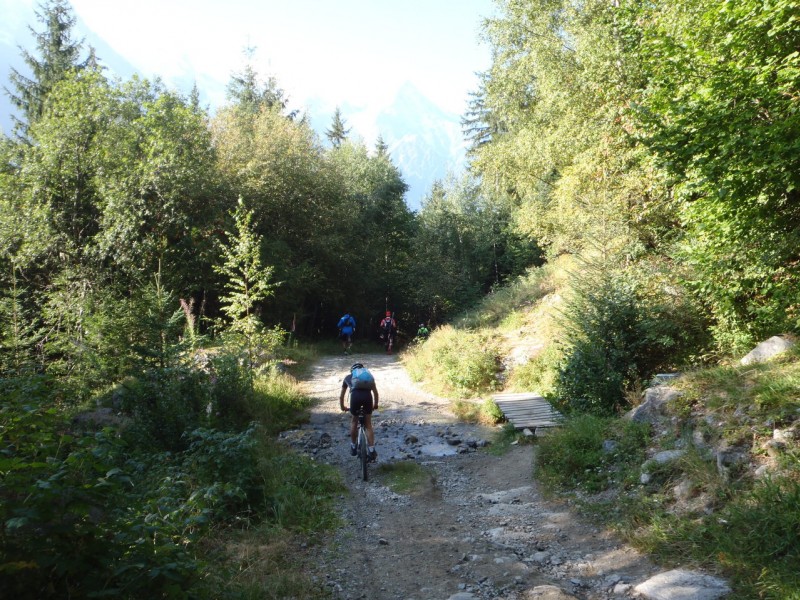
{"x":388,"y":329}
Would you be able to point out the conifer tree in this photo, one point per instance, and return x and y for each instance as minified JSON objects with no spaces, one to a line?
{"x":248,"y":282}
{"x":381,"y":147}
{"x":337,"y":133}
{"x":56,"y":54}
{"x":247,"y":92}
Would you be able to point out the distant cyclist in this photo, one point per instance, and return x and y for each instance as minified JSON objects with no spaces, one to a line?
{"x":347,"y":327}
{"x":388,"y":329}
{"x":366,"y":397}
{"x":423,"y":332}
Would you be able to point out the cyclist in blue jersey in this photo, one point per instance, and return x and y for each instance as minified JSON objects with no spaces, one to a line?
{"x":360,"y":397}
{"x":347,"y":327}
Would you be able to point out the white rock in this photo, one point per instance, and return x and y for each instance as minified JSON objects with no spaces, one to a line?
{"x":767,"y":349}
{"x":681,"y":584}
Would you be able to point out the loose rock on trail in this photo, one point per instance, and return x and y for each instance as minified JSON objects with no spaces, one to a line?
{"x":479,"y":529}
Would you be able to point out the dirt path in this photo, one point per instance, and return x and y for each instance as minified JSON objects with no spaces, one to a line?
{"x":480,"y":528}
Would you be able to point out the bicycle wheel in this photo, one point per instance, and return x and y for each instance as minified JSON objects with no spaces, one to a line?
{"x":363,"y":452}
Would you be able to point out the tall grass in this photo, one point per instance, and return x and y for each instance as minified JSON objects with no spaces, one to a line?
{"x":574,"y":456}
{"x":504,"y":305}
{"x":456,"y":362}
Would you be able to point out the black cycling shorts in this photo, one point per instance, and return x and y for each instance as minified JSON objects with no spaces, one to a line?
{"x":359,"y":398}
{"x":345,"y":337}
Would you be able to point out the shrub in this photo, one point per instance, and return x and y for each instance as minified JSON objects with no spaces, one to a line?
{"x":165,"y":403}
{"x":539,"y":374}
{"x":618,"y":333}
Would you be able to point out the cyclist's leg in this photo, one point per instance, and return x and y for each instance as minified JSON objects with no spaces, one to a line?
{"x":370,"y":432}
{"x":353,"y":428}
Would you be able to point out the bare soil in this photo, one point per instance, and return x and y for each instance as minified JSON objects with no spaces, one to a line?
{"x":479,"y":528}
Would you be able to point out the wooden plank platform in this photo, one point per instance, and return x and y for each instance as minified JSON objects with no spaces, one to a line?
{"x":527,"y":410}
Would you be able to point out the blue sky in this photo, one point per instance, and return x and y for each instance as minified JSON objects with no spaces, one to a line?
{"x":324,"y":53}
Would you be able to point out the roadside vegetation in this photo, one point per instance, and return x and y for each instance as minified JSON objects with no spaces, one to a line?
{"x":729,"y":499}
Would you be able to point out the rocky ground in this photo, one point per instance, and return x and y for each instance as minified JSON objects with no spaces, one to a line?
{"x":479,"y":529}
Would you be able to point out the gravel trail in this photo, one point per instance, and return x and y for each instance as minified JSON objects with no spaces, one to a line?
{"x":479,"y":529}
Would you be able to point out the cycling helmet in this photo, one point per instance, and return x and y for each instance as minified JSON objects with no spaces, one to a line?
{"x":356,"y":366}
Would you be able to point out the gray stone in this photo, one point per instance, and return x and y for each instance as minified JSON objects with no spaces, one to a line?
{"x":684,"y":489}
{"x":653,"y":406}
{"x":666,"y":456}
{"x":730,"y":456}
{"x":609,"y":446}
{"x":682,"y":584}
{"x":662,"y":378}
{"x":761,"y":472}
{"x":540,"y":557}
{"x":462,"y":596}
{"x":774,"y":448}
{"x":621,"y":589}
{"x":784,"y":435}
{"x":547,"y":592}
{"x":767,"y":349}
{"x":700,"y":438}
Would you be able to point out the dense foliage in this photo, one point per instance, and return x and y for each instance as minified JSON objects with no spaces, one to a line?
{"x":152,"y":259}
{"x":633,"y":134}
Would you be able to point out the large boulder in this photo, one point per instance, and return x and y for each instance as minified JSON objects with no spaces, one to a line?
{"x":777,"y":344}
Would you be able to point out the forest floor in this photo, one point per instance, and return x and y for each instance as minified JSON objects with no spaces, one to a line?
{"x":477,"y":528}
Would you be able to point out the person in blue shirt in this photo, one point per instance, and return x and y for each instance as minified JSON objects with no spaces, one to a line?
{"x":360,"y":397}
{"x":347,"y":327}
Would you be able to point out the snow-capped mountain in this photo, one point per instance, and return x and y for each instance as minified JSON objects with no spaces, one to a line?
{"x":425,"y":141}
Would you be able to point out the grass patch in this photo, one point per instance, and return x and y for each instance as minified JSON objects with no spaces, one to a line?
{"x":262,"y":563}
{"x":485,"y":412}
{"x":503,"y":306}
{"x":466,"y":362}
{"x":591,"y":453}
{"x":407,"y":477}
{"x":278,"y":403}
{"x":298,"y":492}
{"x":754,"y":539}
{"x":507,"y":436}
{"x":689,"y":512}
{"x":539,"y":374}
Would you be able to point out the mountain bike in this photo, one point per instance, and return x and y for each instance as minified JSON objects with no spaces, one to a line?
{"x":362,"y":448}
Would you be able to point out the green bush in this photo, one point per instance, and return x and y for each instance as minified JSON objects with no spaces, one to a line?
{"x":68,"y":512}
{"x":165,"y":403}
{"x":618,"y":334}
{"x":539,"y":374}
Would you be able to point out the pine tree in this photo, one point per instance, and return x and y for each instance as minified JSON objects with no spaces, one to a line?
{"x":337,"y":133}
{"x":381,"y":147}
{"x":480,"y":124}
{"x":248,"y":282}
{"x":249,"y":94}
{"x":56,"y":55}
